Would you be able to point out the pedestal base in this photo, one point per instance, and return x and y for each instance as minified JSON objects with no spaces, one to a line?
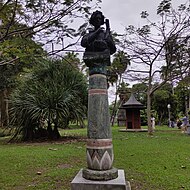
{"x":80,"y":183}
{"x":100,"y":175}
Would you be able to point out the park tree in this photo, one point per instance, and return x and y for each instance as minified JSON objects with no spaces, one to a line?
{"x":149,"y":48}
{"x":49,"y":21}
{"x":50,"y":96}
{"x":160,"y":100}
{"x":28,"y":25}
{"x":140,"y":90}
{"x":17,"y":54}
{"x":119,"y":64}
{"x":182,"y":91}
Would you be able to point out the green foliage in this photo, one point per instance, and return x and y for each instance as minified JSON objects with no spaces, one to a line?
{"x":123,"y":88}
{"x":120,"y":62}
{"x":177,"y":57}
{"x":16,"y":51}
{"x":25,"y":49}
{"x":144,"y":30}
{"x":124,"y":92}
{"x":164,"y":7}
{"x":55,"y":93}
{"x":16,"y":54}
{"x":5,"y":132}
{"x":182,"y":92}
{"x":140,"y":90}
{"x":169,"y":46}
{"x":143,"y":116}
{"x":161,"y":98}
{"x":144,"y":14}
{"x":72,"y":58}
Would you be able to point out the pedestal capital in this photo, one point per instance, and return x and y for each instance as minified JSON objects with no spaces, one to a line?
{"x":97,"y":62}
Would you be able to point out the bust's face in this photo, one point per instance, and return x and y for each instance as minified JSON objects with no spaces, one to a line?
{"x":98,"y":20}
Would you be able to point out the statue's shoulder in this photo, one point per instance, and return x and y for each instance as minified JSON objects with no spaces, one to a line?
{"x":87,"y":32}
{"x":90,"y":30}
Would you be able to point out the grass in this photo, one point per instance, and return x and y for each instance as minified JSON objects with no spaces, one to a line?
{"x":158,"y":162}
{"x":154,"y":162}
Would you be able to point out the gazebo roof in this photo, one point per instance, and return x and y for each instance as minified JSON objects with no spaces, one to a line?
{"x":132,"y":103}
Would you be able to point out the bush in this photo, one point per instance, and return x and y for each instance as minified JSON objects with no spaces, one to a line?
{"x":53,"y":93}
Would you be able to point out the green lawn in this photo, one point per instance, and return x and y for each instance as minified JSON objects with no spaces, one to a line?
{"x":158,"y":162}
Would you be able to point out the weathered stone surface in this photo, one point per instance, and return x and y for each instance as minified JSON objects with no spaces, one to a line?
{"x":100,"y":175}
{"x":99,"y":154}
{"x":97,"y":81}
{"x":96,"y":59}
{"x":99,"y":144}
{"x":97,"y":62}
{"x":100,"y":159}
{"x":98,"y":117}
{"x":80,"y":183}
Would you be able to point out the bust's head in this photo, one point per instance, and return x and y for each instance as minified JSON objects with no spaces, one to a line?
{"x":97,"y":19}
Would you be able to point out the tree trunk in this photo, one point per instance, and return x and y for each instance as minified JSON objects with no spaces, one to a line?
{"x":81,"y":123}
{"x":1,"y":108}
{"x":186,"y":105}
{"x":150,"y":131}
{"x":49,"y":129}
{"x":161,"y":118}
{"x":114,"y":112}
{"x":112,"y":118}
{"x":28,"y":134}
{"x":56,"y":134}
{"x":66,"y":123}
{"x":4,"y":107}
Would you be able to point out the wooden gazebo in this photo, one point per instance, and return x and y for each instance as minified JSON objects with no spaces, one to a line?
{"x":132,"y":113}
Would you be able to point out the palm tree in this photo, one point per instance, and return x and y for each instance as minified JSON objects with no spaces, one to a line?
{"x":54,"y":93}
{"x":120,"y":63}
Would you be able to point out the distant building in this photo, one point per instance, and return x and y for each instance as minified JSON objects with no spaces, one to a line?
{"x":129,"y":114}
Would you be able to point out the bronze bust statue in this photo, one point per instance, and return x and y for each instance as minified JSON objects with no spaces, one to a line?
{"x":99,"y":39}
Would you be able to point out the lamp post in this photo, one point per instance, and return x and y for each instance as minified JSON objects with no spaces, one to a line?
{"x":169,"y":114}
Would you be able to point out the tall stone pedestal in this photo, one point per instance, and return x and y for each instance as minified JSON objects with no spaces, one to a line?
{"x":80,"y":183}
{"x":99,"y":173}
{"x":99,"y":150}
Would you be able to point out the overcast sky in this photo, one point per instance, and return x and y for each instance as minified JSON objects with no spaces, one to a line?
{"x":122,"y":13}
{"x":126,"y":12}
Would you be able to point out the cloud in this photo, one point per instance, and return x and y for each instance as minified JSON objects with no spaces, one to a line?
{"x":127,"y":12}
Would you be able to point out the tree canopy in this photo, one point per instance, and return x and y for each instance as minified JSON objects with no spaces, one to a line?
{"x":49,"y":21}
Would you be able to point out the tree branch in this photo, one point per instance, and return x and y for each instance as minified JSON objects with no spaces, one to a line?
{"x":11,"y":62}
